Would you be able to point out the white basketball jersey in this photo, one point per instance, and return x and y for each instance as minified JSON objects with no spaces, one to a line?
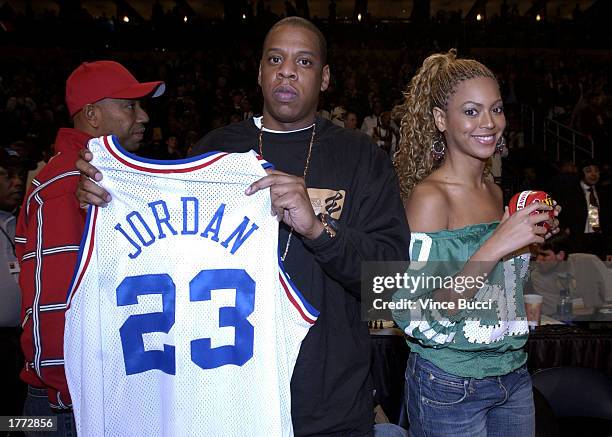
{"x":181,"y":320}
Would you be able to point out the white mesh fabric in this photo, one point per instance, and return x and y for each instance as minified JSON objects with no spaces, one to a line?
{"x":232,"y":400}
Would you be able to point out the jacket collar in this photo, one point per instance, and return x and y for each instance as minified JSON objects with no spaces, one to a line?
{"x":71,"y":140}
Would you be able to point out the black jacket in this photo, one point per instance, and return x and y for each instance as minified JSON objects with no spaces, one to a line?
{"x":574,"y":211}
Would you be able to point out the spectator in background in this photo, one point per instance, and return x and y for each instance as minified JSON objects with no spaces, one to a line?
{"x":586,"y":278}
{"x":352,"y":96}
{"x":172,"y":148}
{"x":247,"y":109}
{"x":191,"y":138}
{"x":385,"y":134}
{"x":337,"y":116}
{"x":11,"y":194}
{"x":587,"y":212}
{"x":168,"y":149}
{"x":237,"y":97}
{"x":350,"y":120}
{"x":372,"y":120}
{"x":102,"y":99}
{"x":25,"y":153}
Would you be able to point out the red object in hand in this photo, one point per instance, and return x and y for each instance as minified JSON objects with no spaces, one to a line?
{"x":526,"y":198}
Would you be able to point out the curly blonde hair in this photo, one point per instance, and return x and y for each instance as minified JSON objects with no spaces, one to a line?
{"x":431,"y":87}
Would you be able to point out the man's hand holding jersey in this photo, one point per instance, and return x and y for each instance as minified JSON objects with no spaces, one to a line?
{"x":89,"y":192}
{"x":290,"y":202}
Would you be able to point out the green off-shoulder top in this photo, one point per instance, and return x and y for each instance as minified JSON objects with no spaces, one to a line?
{"x":486,"y":336}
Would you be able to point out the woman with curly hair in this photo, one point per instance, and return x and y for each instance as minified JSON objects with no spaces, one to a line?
{"x":466,"y":327}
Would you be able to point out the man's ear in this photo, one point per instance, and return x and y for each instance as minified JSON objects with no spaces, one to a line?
{"x":325,"y":75}
{"x":439,"y":118}
{"x":92,"y":115}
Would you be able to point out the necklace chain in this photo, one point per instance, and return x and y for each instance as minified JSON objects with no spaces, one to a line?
{"x":304,"y":175}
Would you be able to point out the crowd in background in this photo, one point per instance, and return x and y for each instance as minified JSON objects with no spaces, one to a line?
{"x":210,"y":79}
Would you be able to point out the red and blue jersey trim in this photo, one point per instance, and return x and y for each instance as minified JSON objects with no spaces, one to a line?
{"x":85,"y":252}
{"x":156,"y":165}
{"x":303,"y":307}
{"x":265,"y":164}
{"x":170,"y":165}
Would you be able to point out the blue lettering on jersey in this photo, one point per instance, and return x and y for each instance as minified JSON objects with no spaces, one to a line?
{"x":164,"y":218}
{"x":132,"y":242}
{"x":187,"y":216}
{"x":145,"y":226}
{"x":238,"y":234}
{"x":138,"y":360}
{"x":141,"y":234}
{"x":215,"y":224}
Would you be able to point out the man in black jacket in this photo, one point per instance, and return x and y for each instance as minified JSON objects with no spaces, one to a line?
{"x":346,"y":179}
{"x":337,"y":196}
{"x":587,"y":213}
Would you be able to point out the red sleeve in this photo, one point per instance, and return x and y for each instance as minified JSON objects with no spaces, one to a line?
{"x":49,"y":231}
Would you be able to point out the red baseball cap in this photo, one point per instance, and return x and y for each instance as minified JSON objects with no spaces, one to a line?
{"x":94,"y":81}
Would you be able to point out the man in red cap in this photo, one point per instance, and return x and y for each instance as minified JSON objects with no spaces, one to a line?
{"x":103,"y":99}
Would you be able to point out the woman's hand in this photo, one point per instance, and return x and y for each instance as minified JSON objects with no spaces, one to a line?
{"x":554,"y":223}
{"x":517,"y":231}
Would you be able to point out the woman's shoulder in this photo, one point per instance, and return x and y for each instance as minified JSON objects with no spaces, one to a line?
{"x":427,"y":207}
{"x":430,"y":206}
{"x":429,"y":190}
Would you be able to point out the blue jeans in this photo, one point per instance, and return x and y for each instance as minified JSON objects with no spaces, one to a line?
{"x":441,"y":404}
{"x":37,"y":404}
{"x":389,"y":430}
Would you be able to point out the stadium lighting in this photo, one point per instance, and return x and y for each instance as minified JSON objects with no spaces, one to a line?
{"x":478,"y":17}
{"x":244,"y":16}
{"x":126,"y":19}
{"x":538,"y":17}
{"x":359,"y":17}
{"x":185,"y":19}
